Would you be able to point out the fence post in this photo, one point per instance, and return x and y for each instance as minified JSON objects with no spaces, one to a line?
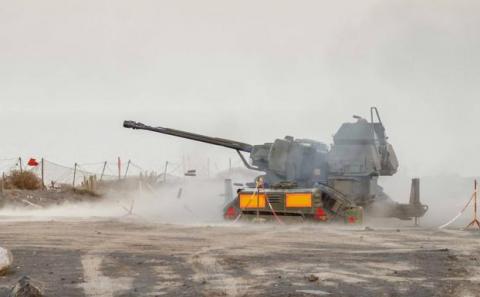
{"x":20,"y":164}
{"x":119,"y":168}
{"x":126,"y":170}
{"x":165,"y":172}
{"x":103,"y":170}
{"x":43,"y":174}
{"x":74,"y":175}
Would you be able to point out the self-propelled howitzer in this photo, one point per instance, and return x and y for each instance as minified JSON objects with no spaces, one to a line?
{"x":337,"y":179}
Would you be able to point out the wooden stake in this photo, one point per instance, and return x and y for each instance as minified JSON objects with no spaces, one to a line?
{"x":74,"y":175}
{"x":103,"y":170}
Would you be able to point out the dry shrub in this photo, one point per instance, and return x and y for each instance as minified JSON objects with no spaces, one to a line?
{"x":23,"y":180}
{"x":85,"y":192}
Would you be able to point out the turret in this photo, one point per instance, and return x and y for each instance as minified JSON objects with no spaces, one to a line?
{"x":360,"y":150}
{"x":300,"y":160}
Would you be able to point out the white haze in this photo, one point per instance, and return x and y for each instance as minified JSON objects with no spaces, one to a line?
{"x":201,"y":201}
{"x":253,"y":71}
{"x":186,"y":201}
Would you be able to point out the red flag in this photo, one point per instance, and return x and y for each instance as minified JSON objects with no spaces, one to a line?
{"x":32,"y":162}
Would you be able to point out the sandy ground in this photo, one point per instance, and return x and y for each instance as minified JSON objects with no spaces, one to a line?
{"x":131,"y":257}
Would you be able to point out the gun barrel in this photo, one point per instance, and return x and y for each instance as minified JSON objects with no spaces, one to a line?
{"x":239,"y":146}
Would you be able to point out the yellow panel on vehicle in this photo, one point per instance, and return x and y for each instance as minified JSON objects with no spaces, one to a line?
{"x":252,"y":200}
{"x":298,"y":200}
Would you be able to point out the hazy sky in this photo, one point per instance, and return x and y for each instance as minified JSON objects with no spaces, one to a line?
{"x":72,"y":71}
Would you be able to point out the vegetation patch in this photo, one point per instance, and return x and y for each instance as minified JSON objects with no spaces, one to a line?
{"x":22,"y":180}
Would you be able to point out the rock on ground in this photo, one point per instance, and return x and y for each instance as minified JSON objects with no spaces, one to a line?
{"x":24,"y":288}
{"x":6,"y":260}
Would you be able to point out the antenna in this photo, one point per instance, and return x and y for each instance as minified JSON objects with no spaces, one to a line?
{"x":374,"y":111}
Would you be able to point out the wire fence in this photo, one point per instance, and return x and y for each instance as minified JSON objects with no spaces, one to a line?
{"x":7,"y":165}
{"x":53,"y":173}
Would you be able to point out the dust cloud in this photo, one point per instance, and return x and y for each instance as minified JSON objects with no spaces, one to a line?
{"x":201,"y":200}
{"x":183,"y":200}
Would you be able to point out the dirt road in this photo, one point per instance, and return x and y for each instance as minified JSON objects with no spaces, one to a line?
{"x":133,"y":258}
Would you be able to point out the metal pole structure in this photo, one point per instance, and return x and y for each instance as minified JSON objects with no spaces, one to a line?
{"x":103,"y":170}
{"x":165,"y":172}
{"x":475,"y":211}
{"x":475,"y":203}
{"x":43,"y":173}
{"x":20,"y":163}
{"x":126,"y":170}
{"x":475,"y":221}
{"x":74,"y":175}
{"x":119,"y":168}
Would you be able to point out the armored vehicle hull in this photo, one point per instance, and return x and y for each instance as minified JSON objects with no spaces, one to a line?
{"x":308,"y":204}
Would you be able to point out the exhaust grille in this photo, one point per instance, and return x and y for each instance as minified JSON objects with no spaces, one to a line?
{"x":276,"y":200}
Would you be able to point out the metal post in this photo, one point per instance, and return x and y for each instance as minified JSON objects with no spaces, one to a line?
{"x":119,"y":168}
{"x":43,"y":173}
{"x":20,"y":163}
{"x":103,"y":170}
{"x":415,"y":197}
{"x":475,"y":221}
{"x":126,"y":170}
{"x":165,"y":172}
{"x":74,"y":175}
{"x":475,"y":201}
